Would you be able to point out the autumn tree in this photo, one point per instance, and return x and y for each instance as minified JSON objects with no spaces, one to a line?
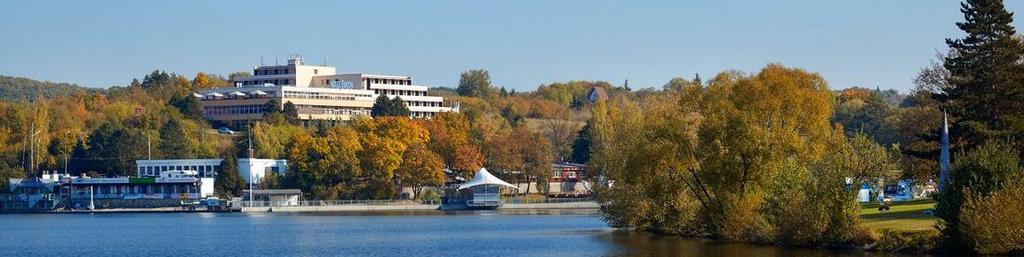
{"x":420,"y":168}
{"x":327,"y":166}
{"x":725,"y":159}
{"x":450,"y":139}
{"x":385,"y":140}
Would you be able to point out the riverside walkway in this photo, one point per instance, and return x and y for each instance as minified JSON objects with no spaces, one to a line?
{"x":408,"y":205}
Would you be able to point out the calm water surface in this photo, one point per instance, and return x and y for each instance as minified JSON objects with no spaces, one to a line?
{"x":487,"y":233}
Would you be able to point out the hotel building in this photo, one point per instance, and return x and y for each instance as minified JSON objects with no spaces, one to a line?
{"x":317,"y":91}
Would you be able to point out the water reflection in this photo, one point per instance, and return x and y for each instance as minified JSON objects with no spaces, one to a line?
{"x":647,"y":244}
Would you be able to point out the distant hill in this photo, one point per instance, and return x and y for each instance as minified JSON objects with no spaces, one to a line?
{"x":18,"y":88}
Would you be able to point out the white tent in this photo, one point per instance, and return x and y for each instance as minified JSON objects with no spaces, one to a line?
{"x":215,"y":94}
{"x":485,"y":178}
{"x":237,"y":93}
{"x":197,"y":95}
{"x":258,"y":92}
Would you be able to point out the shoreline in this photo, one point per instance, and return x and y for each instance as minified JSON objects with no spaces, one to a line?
{"x":335,"y":209}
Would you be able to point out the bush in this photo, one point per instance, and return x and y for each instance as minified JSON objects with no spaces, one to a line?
{"x":974,"y":188}
{"x":994,"y":223}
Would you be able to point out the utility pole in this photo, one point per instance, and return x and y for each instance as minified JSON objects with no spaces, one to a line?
{"x":32,"y":150}
{"x":66,"y":155}
{"x":149,"y":149}
{"x":249,"y":169}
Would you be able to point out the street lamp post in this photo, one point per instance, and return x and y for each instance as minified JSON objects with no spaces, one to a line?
{"x":66,"y":155}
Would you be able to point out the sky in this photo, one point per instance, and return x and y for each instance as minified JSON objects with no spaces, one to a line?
{"x":523,"y":44}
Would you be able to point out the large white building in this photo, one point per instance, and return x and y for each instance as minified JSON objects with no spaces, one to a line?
{"x":318,"y":92}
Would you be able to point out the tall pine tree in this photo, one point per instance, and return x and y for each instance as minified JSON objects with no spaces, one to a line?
{"x":985,"y":87}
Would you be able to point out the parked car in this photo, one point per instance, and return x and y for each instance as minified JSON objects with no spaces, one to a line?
{"x":225,"y":130}
{"x":214,"y":204}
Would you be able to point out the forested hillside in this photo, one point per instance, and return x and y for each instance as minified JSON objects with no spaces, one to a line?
{"x":18,"y":88}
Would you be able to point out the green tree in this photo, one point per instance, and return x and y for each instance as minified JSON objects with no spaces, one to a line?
{"x":384,"y":106}
{"x":475,"y":83}
{"x":228,"y":183}
{"x":581,"y":146}
{"x":174,"y":144}
{"x":272,"y":106}
{"x":986,"y":74}
{"x":291,"y":113}
{"x":115,"y":148}
{"x":188,"y":105}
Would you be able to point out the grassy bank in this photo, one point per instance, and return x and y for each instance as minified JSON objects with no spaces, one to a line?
{"x":903,"y":216}
{"x":905,"y":227}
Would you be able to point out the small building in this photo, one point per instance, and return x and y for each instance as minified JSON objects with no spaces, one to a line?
{"x":597,"y":93}
{"x":29,"y":194}
{"x":253,"y":170}
{"x":567,"y":172}
{"x":171,"y":185}
{"x":275,"y":197}
{"x":483,"y":192}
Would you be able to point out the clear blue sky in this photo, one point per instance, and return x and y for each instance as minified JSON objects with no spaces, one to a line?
{"x":522,"y":43}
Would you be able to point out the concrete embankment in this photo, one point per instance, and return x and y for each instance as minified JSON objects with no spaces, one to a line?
{"x":414,"y":207}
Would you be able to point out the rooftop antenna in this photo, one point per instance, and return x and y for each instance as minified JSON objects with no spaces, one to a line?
{"x":275,"y":61}
{"x":261,"y":61}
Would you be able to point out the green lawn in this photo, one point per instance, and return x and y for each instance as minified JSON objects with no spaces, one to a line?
{"x":903,"y":216}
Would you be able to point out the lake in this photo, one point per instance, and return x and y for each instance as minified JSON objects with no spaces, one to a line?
{"x":482,"y":233}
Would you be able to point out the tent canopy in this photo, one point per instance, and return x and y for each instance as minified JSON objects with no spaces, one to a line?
{"x":483,"y":177}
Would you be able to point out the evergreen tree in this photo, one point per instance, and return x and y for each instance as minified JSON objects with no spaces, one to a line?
{"x":271,"y":107}
{"x":581,"y":147}
{"x":986,"y":74}
{"x":475,"y":83}
{"x":228,"y":182}
{"x":389,"y":107}
{"x":398,"y":107}
{"x":291,"y":114}
{"x":173,"y":143}
{"x":188,"y":106}
{"x":115,"y":149}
